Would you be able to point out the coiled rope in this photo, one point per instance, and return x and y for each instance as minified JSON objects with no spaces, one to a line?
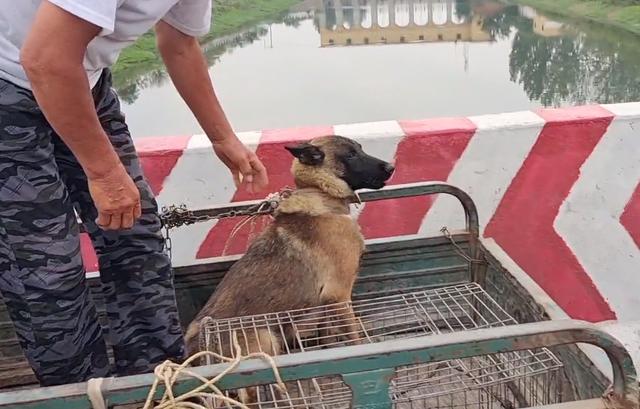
{"x":168,"y":373}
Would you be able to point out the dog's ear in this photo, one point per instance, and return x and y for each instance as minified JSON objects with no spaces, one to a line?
{"x":307,"y":154}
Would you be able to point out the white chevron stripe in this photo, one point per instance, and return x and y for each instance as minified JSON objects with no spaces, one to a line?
{"x":378,"y":139}
{"x":199,"y":179}
{"x":486,"y":168}
{"x":628,"y":110}
{"x":589,"y":223}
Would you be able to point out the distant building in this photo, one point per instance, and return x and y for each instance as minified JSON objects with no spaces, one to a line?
{"x":547,"y":28}
{"x":542,"y":25}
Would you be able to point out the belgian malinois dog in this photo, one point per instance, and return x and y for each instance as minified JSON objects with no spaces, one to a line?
{"x":309,"y":255}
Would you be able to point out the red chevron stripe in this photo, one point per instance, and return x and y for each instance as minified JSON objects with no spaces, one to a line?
{"x":630,"y":218}
{"x":429,"y":151}
{"x":523,"y":223}
{"x":158,"y":157}
{"x":278,"y":162}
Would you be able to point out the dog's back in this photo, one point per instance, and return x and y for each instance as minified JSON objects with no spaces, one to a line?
{"x":299,"y":261}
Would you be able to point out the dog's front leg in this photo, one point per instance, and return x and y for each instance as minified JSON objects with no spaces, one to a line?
{"x":352,"y":326}
{"x":340,"y":322}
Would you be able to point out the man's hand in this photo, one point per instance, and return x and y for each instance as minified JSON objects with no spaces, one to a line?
{"x":246,"y":168}
{"x":188,"y":70}
{"x":117,"y":199}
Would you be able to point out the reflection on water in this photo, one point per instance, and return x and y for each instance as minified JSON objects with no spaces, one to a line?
{"x":337,"y":61}
{"x":556,"y":63}
{"x":129,"y":87}
{"x":402,"y":21}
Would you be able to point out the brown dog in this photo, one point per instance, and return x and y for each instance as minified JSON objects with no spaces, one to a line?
{"x":310,"y":255}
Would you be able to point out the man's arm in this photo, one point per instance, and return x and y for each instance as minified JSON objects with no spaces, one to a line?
{"x":52,"y":57}
{"x":187,"y":68}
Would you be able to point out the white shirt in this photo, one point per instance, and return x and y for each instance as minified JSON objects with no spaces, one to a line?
{"x":122,"y":22}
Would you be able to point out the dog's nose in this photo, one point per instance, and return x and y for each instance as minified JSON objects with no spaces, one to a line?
{"x":388,"y":168}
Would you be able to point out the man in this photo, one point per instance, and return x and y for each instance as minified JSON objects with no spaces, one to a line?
{"x":64,"y":144}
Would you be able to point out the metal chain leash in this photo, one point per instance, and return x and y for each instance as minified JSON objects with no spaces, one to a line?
{"x":177,"y":216}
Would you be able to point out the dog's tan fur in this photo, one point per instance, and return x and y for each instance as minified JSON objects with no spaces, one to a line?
{"x":309,"y":256}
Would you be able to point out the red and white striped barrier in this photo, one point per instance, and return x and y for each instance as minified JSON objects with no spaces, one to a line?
{"x":557,"y":190}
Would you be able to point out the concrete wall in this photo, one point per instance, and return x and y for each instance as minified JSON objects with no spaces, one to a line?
{"x":557,"y":191}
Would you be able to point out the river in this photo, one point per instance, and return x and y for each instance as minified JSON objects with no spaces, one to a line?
{"x":330,"y":62}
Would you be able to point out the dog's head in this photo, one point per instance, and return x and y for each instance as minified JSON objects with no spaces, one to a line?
{"x":339,"y":159}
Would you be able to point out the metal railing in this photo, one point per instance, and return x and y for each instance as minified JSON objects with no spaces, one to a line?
{"x":390,"y":192}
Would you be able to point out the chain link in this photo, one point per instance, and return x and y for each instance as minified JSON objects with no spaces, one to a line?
{"x":167,"y":243}
{"x":176,"y":216}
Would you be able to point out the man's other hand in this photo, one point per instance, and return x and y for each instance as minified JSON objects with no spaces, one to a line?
{"x":188,"y":69}
{"x":247,"y":170}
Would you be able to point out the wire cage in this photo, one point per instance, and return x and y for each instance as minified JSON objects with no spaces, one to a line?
{"x":508,"y":380}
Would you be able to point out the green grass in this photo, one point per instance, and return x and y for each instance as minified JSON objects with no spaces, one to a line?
{"x":228,"y":16}
{"x":619,"y":13}
{"x":629,"y":16}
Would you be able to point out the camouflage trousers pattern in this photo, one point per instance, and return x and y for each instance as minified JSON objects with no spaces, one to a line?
{"x":42,"y":277}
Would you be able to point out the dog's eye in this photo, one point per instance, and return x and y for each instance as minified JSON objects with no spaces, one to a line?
{"x":351,"y":154}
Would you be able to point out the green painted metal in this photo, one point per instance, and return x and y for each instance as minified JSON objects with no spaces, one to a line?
{"x":374,"y":359}
{"x":370,"y":389}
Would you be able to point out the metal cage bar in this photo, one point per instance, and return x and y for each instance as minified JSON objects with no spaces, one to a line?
{"x":526,"y":377}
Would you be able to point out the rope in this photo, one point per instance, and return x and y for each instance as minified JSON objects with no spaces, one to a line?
{"x":237,"y":228}
{"x":94,"y":393}
{"x":168,"y":372}
{"x":271,"y":198}
{"x":358,"y":202}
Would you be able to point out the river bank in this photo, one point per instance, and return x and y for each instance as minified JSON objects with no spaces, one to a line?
{"x":621,"y":14}
{"x":228,"y":16}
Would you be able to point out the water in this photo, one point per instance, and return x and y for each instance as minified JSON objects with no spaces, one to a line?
{"x":312,"y":67}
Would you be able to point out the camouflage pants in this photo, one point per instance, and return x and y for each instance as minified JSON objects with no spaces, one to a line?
{"x":42,"y":275}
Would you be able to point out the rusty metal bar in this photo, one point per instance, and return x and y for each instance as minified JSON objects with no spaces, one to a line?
{"x":472,"y":224}
{"x":389,"y":192}
{"x":477,"y":268}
